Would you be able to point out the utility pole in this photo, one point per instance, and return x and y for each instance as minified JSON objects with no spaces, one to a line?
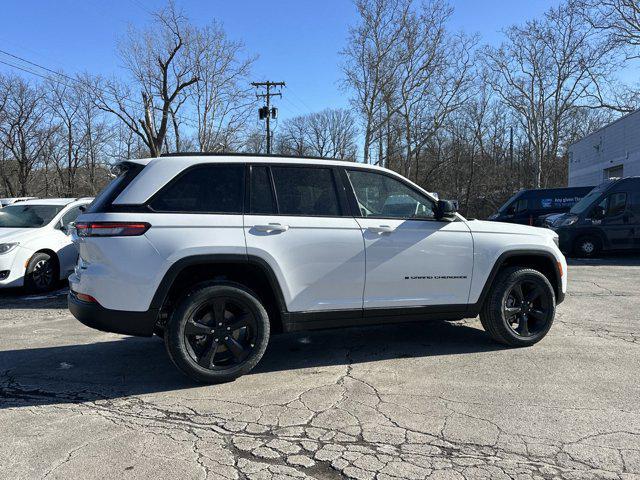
{"x":267,"y":112}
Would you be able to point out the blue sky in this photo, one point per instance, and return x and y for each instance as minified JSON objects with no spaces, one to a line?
{"x":297,"y":41}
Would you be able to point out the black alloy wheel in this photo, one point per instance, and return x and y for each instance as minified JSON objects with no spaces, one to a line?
{"x":526,"y":308}
{"x":520,"y":307}
{"x":217,"y":332}
{"x":221,"y":332}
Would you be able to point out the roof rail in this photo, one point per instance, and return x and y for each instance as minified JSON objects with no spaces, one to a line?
{"x":242,"y":154}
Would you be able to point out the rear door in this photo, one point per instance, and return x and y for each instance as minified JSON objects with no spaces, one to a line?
{"x":412,"y":259}
{"x":298,"y":219}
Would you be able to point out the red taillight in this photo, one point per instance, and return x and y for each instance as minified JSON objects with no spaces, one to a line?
{"x":111,"y":229}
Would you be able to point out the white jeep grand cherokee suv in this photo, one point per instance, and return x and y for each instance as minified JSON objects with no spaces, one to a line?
{"x":217,"y":252}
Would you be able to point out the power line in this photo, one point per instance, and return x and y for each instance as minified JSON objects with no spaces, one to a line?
{"x":87,"y":88}
{"x":300,"y":99}
{"x":267,"y":112}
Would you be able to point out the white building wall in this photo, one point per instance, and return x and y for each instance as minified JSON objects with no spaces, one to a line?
{"x":617,"y":144}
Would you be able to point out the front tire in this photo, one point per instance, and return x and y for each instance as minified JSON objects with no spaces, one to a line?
{"x":587,"y":246}
{"x":520,"y":307}
{"x":217,"y":333}
{"x":42,"y":273}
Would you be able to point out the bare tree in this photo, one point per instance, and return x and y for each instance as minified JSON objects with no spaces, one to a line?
{"x":408,"y":74}
{"x":222,"y":98}
{"x":330,"y":133}
{"x":434,"y":78}
{"x":370,"y":61}
{"x":64,"y":101}
{"x":545,"y":70}
{"x":24,"y":132}
{"x":160,"y":62}
{"x":619,"y":20}
{"x":292,"y":138}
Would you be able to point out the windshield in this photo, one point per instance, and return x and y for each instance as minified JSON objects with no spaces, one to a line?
{"x":28,"y":216}
{"x":506,"y":204}
{"x":583,"y":204}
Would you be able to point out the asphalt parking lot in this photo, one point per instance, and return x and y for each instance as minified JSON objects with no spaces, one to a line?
{"x":436,"y":400}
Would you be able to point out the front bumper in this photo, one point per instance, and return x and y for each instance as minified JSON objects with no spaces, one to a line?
{"x":13,"y":263}
{"x":93,"y":315}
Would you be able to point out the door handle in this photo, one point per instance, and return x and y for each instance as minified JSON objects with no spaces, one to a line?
{"x":272,"y":227}
{"x":381,"y":229}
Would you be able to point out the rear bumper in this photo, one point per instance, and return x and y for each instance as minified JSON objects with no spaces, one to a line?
{"x":115,"y":321}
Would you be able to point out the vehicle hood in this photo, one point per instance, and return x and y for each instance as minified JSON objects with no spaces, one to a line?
{"x":18,"y":234}
{"x":484,"y":226}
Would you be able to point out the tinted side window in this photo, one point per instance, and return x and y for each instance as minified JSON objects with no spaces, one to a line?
{"x":635,"y":202}
{"x":382,"y":196}
{"x":617,"y":204}
{"x":522,"y":205}
{"x":210,"y":188}
{"x":306,"y":191}
{"x":262,"y":200}
{"x":103,"y":201}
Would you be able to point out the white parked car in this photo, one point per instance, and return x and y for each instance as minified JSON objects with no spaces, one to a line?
{"x":217,"y":252}
{"x":10,"y":201}
{"x":35,"y":250}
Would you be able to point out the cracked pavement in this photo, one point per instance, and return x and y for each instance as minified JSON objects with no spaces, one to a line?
{"x":432,"y":400}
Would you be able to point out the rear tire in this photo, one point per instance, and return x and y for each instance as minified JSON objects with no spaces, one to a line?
{"x":42,"y":273}
{"x":217,"y":333}
{"x":587,"y":246}
{"x":520,"y":307}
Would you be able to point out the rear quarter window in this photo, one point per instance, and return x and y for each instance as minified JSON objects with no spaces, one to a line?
{"x":104,"y":200}
{"x":203,"y":189}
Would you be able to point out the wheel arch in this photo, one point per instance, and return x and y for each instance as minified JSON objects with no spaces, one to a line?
{"x":52,"y":253}
{"x":543,"y":261}
{"x":253,"y":272}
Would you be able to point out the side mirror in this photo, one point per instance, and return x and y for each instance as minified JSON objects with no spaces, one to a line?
{"x":446,"y":209}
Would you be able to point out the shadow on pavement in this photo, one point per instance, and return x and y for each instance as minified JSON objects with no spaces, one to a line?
{"x":11,"y":298}
{"x":134,"y":366}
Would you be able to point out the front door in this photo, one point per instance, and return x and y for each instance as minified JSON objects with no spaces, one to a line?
{"x":412,"y":259}
{"x":618,"y":222}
